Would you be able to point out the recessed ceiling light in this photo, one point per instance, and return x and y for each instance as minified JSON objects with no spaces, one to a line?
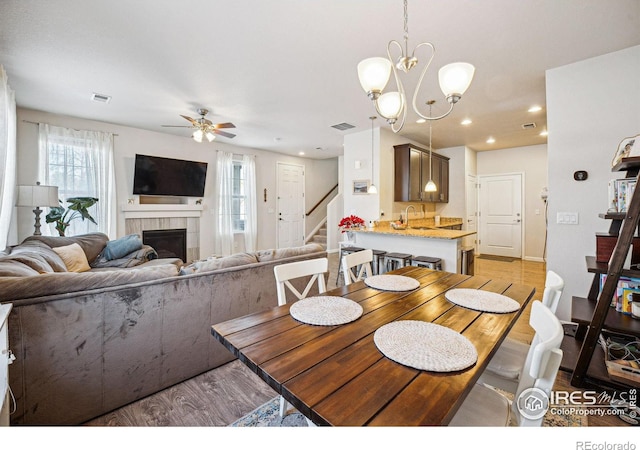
{"x":420,"y":121}
{"x":466,"y":122}
{"x":491,"y":140}
{"x":301,"y":153}
{"x":544,"y":133}
{"x":535,"y":108}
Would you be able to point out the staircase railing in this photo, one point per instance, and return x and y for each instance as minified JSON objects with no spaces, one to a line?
{"x":322,"y":200}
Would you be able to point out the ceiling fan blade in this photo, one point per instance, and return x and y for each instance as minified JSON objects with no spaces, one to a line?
{"x":224,"y":125}
{"x":193,"y":121}
{"x":224,"y":133}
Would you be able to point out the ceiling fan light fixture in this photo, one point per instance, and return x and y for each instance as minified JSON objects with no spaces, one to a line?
{"x":198,"y":135}
{"x":210,"y":136}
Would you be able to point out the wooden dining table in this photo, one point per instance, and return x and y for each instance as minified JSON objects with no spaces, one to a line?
{"x":335,"y":375}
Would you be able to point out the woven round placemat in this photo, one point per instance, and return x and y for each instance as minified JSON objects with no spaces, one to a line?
{"x":325,"y":310}
{"x":425,"y":346}
{"x":392,"y":283}
{"x":482,"y":300}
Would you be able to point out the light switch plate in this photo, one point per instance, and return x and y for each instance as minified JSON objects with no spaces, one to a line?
{"x":567,"y":218}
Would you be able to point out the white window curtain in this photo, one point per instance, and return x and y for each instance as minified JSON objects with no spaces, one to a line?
{"x":236,"y":203}
{"x":7,"y":156}
{"x":251,"y":207}
{"x":224,"y":204}
{"x":81,"y":164}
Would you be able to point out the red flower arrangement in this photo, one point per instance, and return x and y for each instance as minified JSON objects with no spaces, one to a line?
{"x":350,"y":222}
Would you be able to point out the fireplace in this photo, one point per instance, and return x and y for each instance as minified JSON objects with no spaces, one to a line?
{"x":167,"y":243}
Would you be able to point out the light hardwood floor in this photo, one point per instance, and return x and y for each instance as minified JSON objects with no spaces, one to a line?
{"x":223,"y":395}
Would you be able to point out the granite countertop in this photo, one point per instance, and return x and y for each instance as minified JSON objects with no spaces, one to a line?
{"x":424,"y":228}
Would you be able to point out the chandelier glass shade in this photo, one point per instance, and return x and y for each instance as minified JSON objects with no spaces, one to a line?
{"x":374,"y":74}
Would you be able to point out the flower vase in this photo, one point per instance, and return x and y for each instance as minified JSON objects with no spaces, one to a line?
{"x":350,"y":236}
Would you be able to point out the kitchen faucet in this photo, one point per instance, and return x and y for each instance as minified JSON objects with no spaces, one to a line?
{"x":406,"y":213}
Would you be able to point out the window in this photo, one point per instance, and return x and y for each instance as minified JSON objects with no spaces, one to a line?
{"x":80,"y":163}
{"x":239,"y":197}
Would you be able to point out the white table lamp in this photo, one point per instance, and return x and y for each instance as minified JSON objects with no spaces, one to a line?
{"x":37,"y":196}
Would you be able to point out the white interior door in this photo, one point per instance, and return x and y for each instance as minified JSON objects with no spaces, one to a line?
{"x":501,"y":215}
{"x":471,"y":223}
{"x":290,"y":205}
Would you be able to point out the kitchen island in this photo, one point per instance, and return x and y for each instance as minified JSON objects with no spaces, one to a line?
{"x":422,"y":237}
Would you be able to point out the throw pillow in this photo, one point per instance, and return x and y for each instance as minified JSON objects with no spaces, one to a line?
{"x":121,"y":247}
{"x":73,"y":257}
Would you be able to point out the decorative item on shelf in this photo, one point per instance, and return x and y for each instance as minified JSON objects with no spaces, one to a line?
{"x":374,"y":74}
{"x":430,"y":186}
{"x":37,"y":196}
{"x":626,"y":149}
{"x":78,"y":208}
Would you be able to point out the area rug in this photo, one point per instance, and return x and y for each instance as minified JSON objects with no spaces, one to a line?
{"x":267,"y":416}
{"x":497,"y":258}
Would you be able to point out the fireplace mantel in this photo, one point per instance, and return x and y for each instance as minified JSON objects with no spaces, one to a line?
{"x":146,"y":211}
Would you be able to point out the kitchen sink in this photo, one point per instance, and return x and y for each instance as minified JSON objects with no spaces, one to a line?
{"x":422,"y":228}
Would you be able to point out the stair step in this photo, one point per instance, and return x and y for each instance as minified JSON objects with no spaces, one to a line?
{"x":321,"y":232}
{"x":320,"y":239}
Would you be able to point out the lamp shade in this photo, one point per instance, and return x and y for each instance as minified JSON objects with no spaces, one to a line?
{"x":455,"y":78}
{"x":210,"y":136}
{"x":430,"y":186}
{"x":390,"y":105}
{"x":198,"y":135}
{"x":374,"y":74}
{"x":37,"y":195}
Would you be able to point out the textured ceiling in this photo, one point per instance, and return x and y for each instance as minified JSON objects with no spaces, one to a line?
{"x":284,"y":71}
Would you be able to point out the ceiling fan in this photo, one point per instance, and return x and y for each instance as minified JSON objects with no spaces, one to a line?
{"x":204,"y":127}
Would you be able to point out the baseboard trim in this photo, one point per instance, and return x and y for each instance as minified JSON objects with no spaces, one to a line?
{"x":534,"y":259}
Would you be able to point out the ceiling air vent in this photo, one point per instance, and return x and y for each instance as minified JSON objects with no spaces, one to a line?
{"x":101,"y":98}
{"x":343,"y":126}
{"x":528,"y":126}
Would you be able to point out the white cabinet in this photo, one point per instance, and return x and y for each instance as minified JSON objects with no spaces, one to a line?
{"x":5,"y":359}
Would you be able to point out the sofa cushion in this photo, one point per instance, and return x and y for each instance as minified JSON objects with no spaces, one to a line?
{"x":12,"y":268}
{"x":34,"y":260}
{"x":279,"y":253}
{"x":91,"y":243}
{"x":42,"y":250}
{"x":73,"y":257}
{"x":15,"y":288}
{"x":238,"y":259}
{"x":121,"y":247}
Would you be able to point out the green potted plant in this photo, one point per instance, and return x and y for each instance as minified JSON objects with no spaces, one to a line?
{"x":78,"y":207}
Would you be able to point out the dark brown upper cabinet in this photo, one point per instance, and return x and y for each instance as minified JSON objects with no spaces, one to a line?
{"x":412,"y":174}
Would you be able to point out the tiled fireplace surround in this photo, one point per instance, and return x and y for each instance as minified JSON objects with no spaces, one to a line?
{"x":139,"y":218}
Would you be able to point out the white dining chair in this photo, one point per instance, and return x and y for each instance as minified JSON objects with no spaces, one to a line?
{"x":356,"y":266}
{"x":285,"y":273}
{"x":485,"y":406}
{"x":504,"y":368}
{"x":315,"y":268}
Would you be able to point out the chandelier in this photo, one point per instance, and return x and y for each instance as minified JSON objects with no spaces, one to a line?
{"x":374,"y":74}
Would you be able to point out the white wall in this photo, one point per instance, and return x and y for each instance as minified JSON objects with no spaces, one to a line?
{"x":591,"y":106}
{"x":321,"y":175}
{"x":532,"y":161}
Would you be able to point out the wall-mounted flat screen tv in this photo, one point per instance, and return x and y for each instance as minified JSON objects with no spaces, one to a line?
{"x":170,"y":177}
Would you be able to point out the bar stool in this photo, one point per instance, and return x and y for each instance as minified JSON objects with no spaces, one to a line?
{"x":347,"y":250}
{"x":396,"y":260}
{"x":427,"y":261}
{"x":378,"y":259}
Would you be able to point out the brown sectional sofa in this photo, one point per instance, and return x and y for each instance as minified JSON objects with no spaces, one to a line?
{"x":85,"y":352}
